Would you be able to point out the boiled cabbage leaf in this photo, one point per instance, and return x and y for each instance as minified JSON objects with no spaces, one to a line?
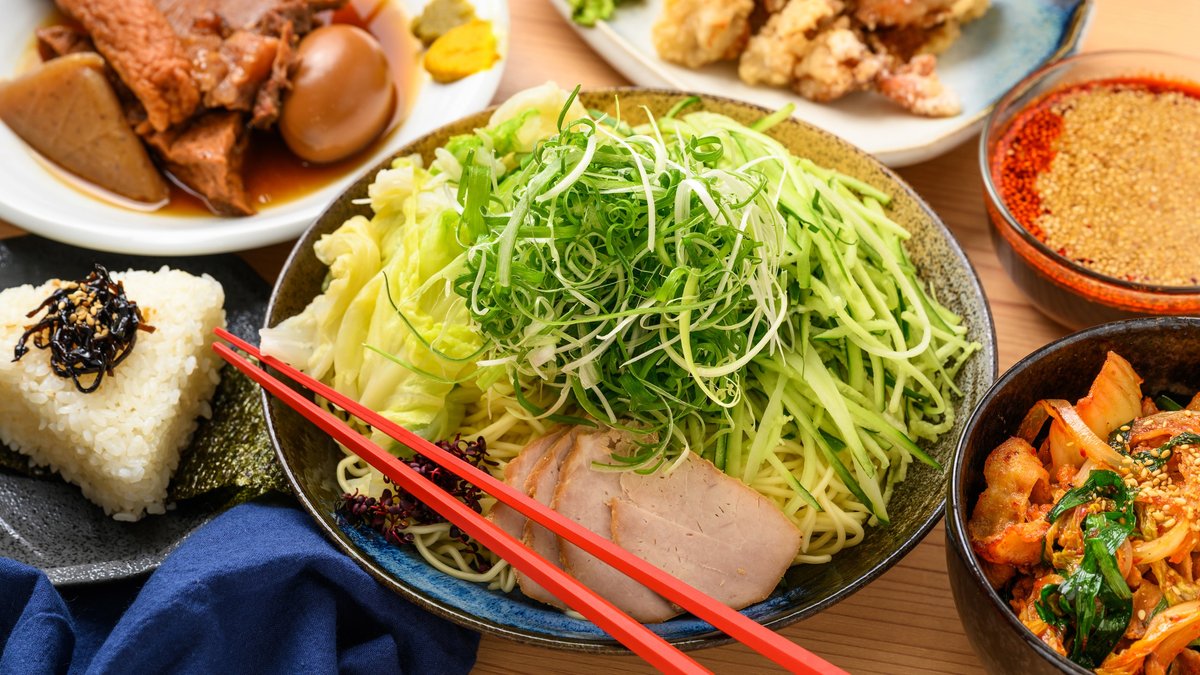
{"x":388,"y":330}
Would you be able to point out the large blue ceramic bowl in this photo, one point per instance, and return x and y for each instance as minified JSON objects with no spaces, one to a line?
{"x":310,"y":458}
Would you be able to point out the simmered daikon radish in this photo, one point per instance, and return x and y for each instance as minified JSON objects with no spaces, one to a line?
{"x":67,"y":111}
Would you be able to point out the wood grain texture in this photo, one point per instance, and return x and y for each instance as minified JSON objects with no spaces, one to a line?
{"x":905,"y":622}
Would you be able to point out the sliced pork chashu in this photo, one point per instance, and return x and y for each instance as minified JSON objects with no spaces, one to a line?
{"x":516,"y":472}
{"x":141,"y":46}
{"x":585,"y":495}
{"x":541,"y":485}
{"x":708,"y":529}
{"x":207,"y":156}
{"x":694,"y":522}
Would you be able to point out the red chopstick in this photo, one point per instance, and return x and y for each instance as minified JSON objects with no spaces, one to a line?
{"x":632,"y":634}
{"x":738,"y":626}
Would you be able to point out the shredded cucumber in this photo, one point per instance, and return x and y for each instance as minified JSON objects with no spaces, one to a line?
{"x":693,"y":278}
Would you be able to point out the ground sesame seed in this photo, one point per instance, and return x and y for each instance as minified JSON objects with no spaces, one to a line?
{"x":1116,"y":194}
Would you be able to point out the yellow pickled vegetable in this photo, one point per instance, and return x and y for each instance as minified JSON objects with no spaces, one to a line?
{"x":462,"y":51}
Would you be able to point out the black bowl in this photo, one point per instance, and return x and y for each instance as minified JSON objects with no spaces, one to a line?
{"x":1164,"y":351}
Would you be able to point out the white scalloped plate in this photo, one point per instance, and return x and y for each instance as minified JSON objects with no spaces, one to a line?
{"x":994,"y":53}
{"x":34,"y":199}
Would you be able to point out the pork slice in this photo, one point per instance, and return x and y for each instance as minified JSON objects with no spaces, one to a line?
{"x":229,"y":66}
{"x":584,"y":495}
{"x":207,"y":156}
{"x":301,"y":14}
{"x":289,"y":20}
{"x":269,"y":99}
{"x":248,"y":59}
{"x":209,"y":68}
{"x":709,"y":529}
{"x":515,"y":474}
{"x":141,"y":46}
{"x":540,"y":485}
{"x":701,"y":560}
{"x":187,"y":16}
{"x":263,"y":16}
{"x":56,"y":41}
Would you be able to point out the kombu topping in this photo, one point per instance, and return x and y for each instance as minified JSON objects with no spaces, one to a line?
{"x":89,"y":328}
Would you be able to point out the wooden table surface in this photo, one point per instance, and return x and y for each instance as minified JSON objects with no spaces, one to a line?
{"x":905,"y":621}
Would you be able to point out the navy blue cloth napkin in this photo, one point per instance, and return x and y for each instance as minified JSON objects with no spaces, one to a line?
{"x":257,"y":590}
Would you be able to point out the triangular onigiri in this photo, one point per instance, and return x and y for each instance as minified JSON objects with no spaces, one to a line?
{"x":121,"y":443}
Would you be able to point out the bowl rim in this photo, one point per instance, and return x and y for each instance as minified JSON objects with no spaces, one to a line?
{"x":714,"y":638}
{"x":992,"y":131}
{"x":956,"y":525}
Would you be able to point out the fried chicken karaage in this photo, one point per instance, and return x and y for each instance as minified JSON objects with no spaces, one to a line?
{"x":824,"y":49}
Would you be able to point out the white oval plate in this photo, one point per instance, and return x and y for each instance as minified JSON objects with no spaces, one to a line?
{"x":32,"y":198}
{"x":994,"y":53}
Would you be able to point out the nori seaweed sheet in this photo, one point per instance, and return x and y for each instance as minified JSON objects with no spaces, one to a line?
{"x":230,"y":457}
{"x":231,"y":451}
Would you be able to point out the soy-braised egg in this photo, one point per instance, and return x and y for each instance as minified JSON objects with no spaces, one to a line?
{"x":342,"y":95}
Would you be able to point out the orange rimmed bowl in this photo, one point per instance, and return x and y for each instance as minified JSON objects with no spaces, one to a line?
{"x":1064,"y":290}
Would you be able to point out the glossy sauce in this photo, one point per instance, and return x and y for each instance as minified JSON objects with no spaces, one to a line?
{"x":272,"y":173}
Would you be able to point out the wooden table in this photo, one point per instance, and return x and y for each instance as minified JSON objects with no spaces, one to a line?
{"x":905,"y":621}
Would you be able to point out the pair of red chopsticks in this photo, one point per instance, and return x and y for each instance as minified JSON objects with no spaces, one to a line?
{"x":637,"y":637}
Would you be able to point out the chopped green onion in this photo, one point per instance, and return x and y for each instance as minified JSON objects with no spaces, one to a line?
{"x":692,"y":277}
